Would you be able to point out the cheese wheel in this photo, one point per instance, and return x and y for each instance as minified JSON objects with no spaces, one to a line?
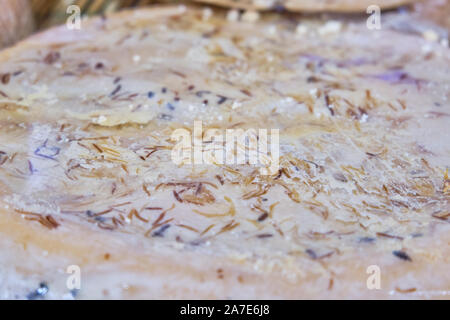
{"x":355,"y":203}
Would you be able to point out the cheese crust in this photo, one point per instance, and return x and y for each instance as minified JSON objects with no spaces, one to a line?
{"x":87,"y":177}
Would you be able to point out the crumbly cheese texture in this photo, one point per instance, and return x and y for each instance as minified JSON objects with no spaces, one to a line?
{"x":87,"y":177}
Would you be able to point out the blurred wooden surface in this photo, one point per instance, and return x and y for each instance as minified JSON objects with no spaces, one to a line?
{"x":16,"y":21}
{"x":437,"y":11}
{"x":51,"y":12}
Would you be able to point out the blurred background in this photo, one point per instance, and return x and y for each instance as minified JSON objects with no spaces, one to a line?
{"x":19,"y":18}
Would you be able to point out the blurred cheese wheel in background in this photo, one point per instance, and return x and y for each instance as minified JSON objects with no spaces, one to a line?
{"x":345,"y":6}
{"x":16,"y":21}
